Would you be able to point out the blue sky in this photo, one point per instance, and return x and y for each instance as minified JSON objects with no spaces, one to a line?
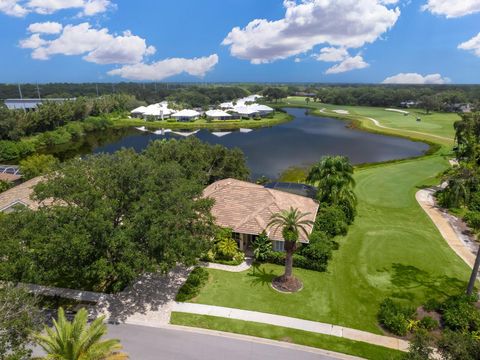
{"x":422,"y":41}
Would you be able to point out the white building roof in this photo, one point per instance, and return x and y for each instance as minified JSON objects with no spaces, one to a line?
{"x":217,"y":113}
{"x":259,"y":107}
{"x":245,"y":110}
{"x":139,"y":110}
{"x":186,"y":113}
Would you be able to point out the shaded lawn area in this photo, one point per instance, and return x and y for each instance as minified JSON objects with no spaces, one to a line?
{"x":393,"y":249}
{"x":326,"y":342}
{"x":440,"y":124}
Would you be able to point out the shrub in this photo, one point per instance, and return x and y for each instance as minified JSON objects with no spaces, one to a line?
{"x":196,"y":280}
{"x":459,"y":313}
{"x":474,"y":201}
{"x":10,"y":150}
{"x":299,"y":261}
{"x":432,"y":304}
{"x":261,"y":247}
{"x":36,"y":165}
{"x":420,"y":347}
{"x":457,"y":345}
{"x":4,"y":186}
{"x":331,"y":220}
{"x":472,"y":218}
{"x":428,"y":323}
{"x":395,"y":317}
{"x":227,"y":249}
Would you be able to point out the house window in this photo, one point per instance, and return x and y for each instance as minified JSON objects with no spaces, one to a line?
{"x":278,"y":245}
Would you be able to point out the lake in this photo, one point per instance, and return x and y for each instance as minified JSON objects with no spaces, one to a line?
{"x":270,"y":151}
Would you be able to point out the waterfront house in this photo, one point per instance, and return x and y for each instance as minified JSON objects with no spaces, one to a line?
{"x":246,"y":208}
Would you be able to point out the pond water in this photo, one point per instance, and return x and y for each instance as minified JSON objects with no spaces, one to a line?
{"x":270,"y":151}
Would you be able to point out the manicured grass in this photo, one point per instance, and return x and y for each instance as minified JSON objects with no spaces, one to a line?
{"x":278,"y":118}
{"x":332,"y":343}
{"x":393,"y":249}
{"x":438,"y":124}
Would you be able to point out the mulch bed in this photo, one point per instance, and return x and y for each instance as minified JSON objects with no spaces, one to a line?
{"x":290,"y":285}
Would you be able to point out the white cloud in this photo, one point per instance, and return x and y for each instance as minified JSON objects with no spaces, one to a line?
{"x":45,"y":28}
{"x":348,"y":64}
{"x":452,"y":8}
{"x":166,"y":68}
{"x":97,"y":45}
{"x":340,"y":23}
{"x":331,"y":54}
{"x":32,"y":42}
{"x":472,"y":45}
{"x":23,"y":7}
{"x":12,"y":8}
{"x":415,"y":78}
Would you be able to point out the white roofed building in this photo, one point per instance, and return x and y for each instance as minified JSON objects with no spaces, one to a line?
{"x":186,"y":115}
{"x":138,"y":112}
{"x":218,"y":115}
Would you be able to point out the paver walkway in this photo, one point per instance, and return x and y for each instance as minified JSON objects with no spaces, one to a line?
{"x":452,"y":235}
{"x":293,"y":323}
{"x":247,"y":264}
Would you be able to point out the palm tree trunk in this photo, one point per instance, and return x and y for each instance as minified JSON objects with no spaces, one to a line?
{"x":473,"y":277}
{"x":288,"y":265}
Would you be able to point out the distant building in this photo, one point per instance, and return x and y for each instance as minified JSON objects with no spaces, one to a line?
{"x":408,"y":103}
{"x":30,"y":104}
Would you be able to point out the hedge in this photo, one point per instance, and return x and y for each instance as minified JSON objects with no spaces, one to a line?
{"x":196,"y":280}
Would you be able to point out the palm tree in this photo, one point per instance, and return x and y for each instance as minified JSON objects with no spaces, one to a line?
{"x":76,"y":340}
{"x":292,"y":222}
{"x":333,"y":176}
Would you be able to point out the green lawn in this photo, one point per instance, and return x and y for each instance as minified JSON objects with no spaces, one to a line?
{"x":332,"y":343}
{"x":393,"y":249}
{"x":438,"y":124}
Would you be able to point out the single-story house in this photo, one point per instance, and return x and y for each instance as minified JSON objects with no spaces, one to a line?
{"x":218,"y":115}
{"x":263,"y":110}
{"x":31,"y":104}
{"x":186,"y":115}
{"x":245,"y":111}
{"x":138,"y":112}
{"x":247,"y":208}
{"x":157,"y":112}
{"x":20,"y":196}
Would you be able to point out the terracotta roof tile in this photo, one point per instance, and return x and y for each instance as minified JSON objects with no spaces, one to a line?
{"x":247,"y":208}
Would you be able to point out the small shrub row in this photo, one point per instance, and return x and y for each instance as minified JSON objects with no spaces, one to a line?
{"x":196,"y":280}
{"x":299,"y":261}
{"x":460,"y":314}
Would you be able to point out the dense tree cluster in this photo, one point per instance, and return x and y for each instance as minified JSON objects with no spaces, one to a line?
{"x":15,"y":124}
{"x":116,"y":216}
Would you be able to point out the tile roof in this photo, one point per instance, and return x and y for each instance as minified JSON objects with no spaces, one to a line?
{"x":21,"y":194}
{"x":247,"y":208}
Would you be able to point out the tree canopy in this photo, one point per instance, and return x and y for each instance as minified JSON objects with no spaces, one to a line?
{"x":115,"y":216}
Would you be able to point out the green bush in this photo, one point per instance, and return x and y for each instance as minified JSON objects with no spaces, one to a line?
{"x":4,"y":186}
{"x":474,"y":201}
{"x":472,"y":218}
{"x":227,"y":249}
{"x":37,"y":165}
{"x":459,"y":313}
{"x":432,"y":304}
{"x":299,"y":261}
{"x":331,"y":220}
{"x":428,"y":323}
{"x":196,"y":280}
{"x":262,"y":246}
{"x":395,"y":317}
{"x":11,"y":150}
